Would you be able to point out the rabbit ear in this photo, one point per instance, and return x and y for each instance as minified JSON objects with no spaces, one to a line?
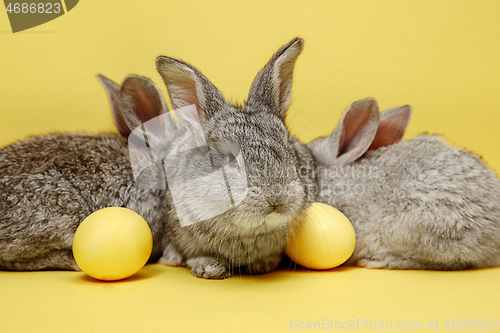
{"x":113,"y":90}
{"x":186,"y":86}
{"x":140,"y":101}
{"x":352,"y":137}
{"x":393,"y":123}
{"x":359,"y":125}
{"x":272,"y":86}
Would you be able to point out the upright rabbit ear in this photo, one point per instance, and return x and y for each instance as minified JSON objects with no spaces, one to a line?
{"x":186,"y":86}
{"x":352,"y":137}
{"x":113,"y":90}
{"x":140,"y":100}
{"x":272,"y":86}
{"x":393,"y":124}
{"x":359,"y":126}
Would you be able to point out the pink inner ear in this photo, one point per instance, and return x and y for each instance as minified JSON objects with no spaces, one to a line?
{"x":391,"y":129}
{"x":147,"y":103}
{"x":182,"y":90}
{"x":354,"y":131}
{"x":120,"y":122}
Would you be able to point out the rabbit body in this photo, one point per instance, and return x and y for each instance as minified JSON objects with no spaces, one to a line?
{"x":416,"y":204}
{"x":49,"y":184}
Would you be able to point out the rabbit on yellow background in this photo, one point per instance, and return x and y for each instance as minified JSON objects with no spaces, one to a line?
{"x":414,"y":204}
{"x":417,"y":204}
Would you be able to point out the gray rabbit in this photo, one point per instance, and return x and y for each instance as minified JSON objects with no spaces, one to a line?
{"x":49,"y":184}
{"x":416,"y":204}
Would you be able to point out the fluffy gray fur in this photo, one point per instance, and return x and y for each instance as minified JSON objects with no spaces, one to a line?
{"x":251,"y":237}
{"x":49,"y":184}
{"x":416,"y":204}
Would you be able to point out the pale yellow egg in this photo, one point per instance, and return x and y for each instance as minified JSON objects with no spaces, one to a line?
{"x":325,"y":239}
{"x":112,"y":243}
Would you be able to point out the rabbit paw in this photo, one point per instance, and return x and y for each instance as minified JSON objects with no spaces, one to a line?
{"x":208,"y":268}
{"x":389,"y":261}
{"x":263,"y":267}
{"x":372,"y":263}
{"x":171,"y":257}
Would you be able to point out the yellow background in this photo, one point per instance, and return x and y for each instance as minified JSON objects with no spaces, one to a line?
{"x":441,"y":57}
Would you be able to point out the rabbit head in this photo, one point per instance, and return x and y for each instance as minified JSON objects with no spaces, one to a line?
{"x":239,"y":165}
{"x":361,"y":128}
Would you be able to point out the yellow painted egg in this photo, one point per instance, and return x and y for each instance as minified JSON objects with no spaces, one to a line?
{"x":325,"y":239}
{"x":112,"y":243}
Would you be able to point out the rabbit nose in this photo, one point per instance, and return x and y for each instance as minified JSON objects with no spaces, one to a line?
{"x":275,"y":198}
{"x":276,"y":203}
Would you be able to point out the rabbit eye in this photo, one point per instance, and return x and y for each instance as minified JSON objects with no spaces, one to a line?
{"x":233,"y":162}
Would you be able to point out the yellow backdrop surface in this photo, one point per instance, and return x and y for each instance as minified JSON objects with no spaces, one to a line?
{"x":441,"y":57}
